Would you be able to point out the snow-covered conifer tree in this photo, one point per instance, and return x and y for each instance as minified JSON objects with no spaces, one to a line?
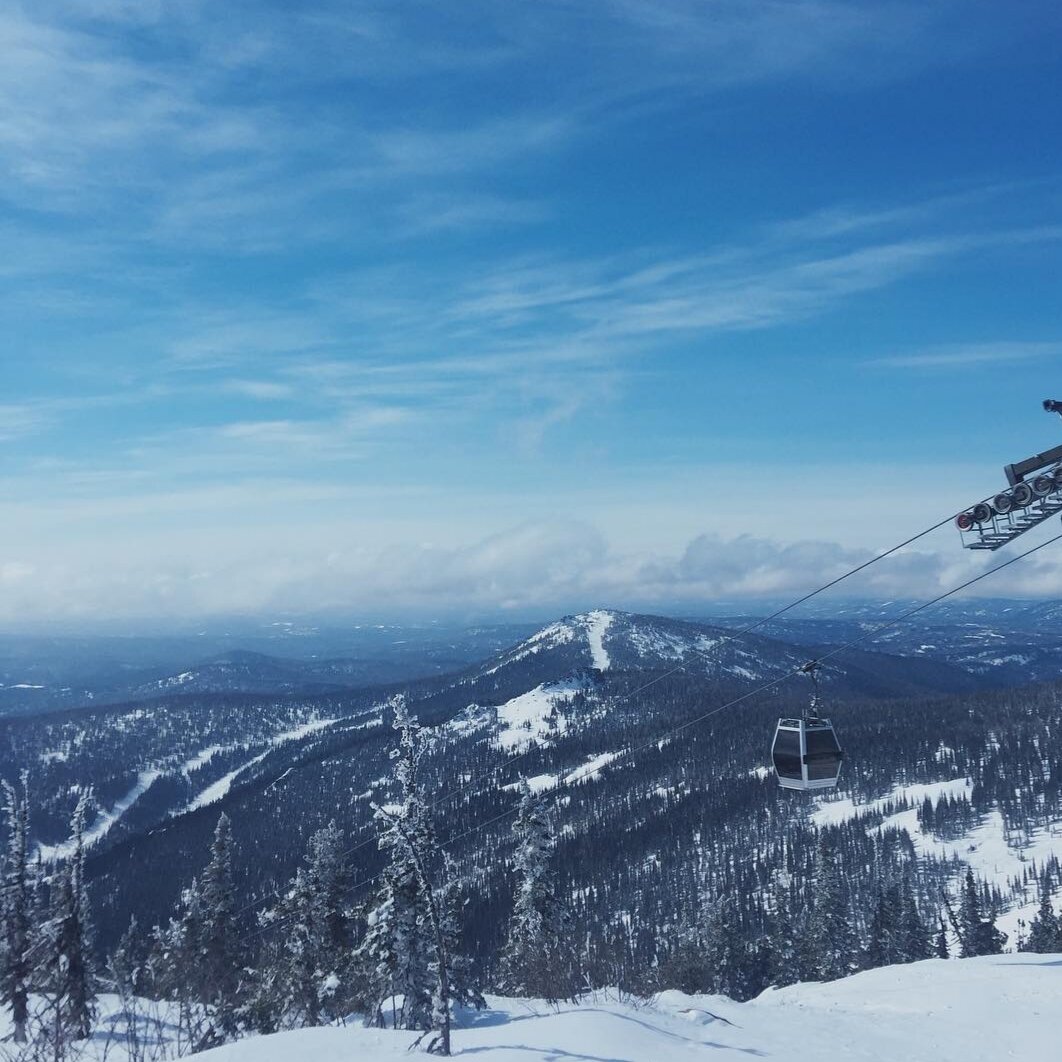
{"x":66,"y":970}
{"x":885,"y":941}
{"x":725,"y":951}
{"x":829,"y":939}
{"x":314,"y":957}
{"x":15,"y":902}
{"x":914,"y":933}
{"x":398,"y":950}
{"x":1045,"y":932}
{"x":538,"y":959}
{"x":217,"y":948}
{"x":978,"y":933}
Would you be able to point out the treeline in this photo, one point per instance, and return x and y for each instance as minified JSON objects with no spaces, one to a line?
{"x":224,"y":966}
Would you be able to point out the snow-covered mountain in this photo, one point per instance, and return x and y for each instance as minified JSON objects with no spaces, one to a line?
{"x":605,"y":642}
{"x":561,"y":708}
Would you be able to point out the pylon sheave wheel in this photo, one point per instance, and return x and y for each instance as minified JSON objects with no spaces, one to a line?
{"x":1002,"y":503}
{"x":981,"y":513}
{"x":1043,"y":484}
{"x":1022,"y":495}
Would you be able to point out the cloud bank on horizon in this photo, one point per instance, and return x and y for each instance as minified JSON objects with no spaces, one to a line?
{"x":505,"y":305}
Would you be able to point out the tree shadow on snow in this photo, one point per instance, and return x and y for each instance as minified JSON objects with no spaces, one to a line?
{"x":1055,"y":960}
{"x":556,"y":1054}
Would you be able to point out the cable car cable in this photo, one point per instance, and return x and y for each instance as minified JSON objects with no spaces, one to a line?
{"x":727,"y":636}
{"x":571,"y":778}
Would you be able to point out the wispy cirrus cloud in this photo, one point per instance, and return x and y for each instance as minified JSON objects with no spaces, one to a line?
{"x":167,"y":112}
{"x":970,"y":355}
{"x":757,"y":285}
{"x":17,"y":419}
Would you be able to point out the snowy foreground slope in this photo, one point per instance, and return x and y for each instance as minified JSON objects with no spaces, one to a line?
{"x":972,"y":1010}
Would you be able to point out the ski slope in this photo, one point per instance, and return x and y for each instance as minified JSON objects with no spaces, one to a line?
{"x":970,"y":1010}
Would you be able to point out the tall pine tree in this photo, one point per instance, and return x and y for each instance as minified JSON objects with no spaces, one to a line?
{"x":1045,"y":932}
{"x":914,"y":933}
{"x":940,"y":947}
{"x":783,"y":940}
{"x":313,"y":963}
{"x":829,"y":944}
{"x":219,"y":953}
{"x":977,"y":931}
{"x":538,"y":959}
{"x":397,"y":952}
{"x":15,"y":901}
{"x":67,"y":974}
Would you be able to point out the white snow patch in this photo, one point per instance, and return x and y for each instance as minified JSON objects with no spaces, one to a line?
{"x":742,"y":672}
{"x":200,"y":759}
{"x":537,"y":783}
{"x":597,"y":625}
{"x":834,"y":812}
{"x":555,"y":634}
{"x":104,"y":820}
{"x":176,"y":680}
{"x":526,"y":718}
{"x":590,"y":768}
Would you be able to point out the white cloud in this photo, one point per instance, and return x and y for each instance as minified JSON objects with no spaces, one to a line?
{"x":962,"y":356}
{"x":17,"y":420}
{"x":539,"y":565}
{"x":266,"y":390}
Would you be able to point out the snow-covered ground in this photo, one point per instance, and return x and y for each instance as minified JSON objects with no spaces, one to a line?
{"x":526,"y":718}
{"x":597,"y":625}
{"x":995,"y":855}
{"x":970,"y":1010}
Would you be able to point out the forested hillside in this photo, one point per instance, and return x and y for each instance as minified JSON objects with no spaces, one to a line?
{"x":675,"y":859}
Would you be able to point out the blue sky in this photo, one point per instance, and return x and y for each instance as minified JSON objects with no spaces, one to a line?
{"x":423,"y":307}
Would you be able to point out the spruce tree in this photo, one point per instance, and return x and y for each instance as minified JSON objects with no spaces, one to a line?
{"x":914,"y":933}
{"x":15,"y":901}
{"x":124,"y":965}
{"x":940,"y":948}
{"x":978,"y":933}
{"x":885,"y":941}
{"x":725,"y":951}
{"x":1045,"y":932}
{"x":66,"y":971}
{"x":682,"y":964}
{"x":197,"y":960}
{"x":783,"y":939}
{"x":538,"y":959}
{"x":398,"y":950}
{"x":314,"y":957}
{"x":465,"y":988}
{"x":830,"y":943}
{"x":215,"y":940}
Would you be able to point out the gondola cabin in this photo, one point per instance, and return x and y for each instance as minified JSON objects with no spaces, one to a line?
{"x":806,"y":754}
